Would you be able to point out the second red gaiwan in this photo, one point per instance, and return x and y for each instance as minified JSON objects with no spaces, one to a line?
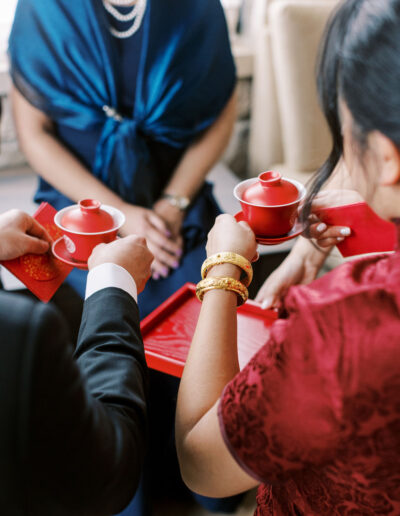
{"x":269,"y":203}
{"x":271,"y":190}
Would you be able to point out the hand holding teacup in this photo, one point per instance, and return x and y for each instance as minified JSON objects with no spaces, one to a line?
{"x":131,"y":253}
{"x":227,"y":235}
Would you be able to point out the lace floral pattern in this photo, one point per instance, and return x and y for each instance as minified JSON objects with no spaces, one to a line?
{"x":315,"y":415}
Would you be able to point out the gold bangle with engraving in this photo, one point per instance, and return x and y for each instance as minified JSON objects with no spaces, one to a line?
{"x":227,"y":283}
{"x":228,"y":257}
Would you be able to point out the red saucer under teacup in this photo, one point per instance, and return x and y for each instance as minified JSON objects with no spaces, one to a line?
{"x":60,"y":251}
{"x":86,"y":225}
{"x":296,"y":230}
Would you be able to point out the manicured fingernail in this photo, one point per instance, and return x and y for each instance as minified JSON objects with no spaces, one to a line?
{"x":340,"y":239}
{"x":175,"y":265}
{"x":345,"y":231}
{"x":156,"y":276}
{"x":164,"y":272}
{"x":179,"y":252}
{"x":321,"y":227}
{"x":266,"y":304}
{"x":168,"y":234}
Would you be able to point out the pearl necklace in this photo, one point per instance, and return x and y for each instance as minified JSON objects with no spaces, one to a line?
{"x":136,"y":13}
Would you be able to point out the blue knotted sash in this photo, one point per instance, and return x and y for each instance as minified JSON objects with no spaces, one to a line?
{"x":63,"y":61}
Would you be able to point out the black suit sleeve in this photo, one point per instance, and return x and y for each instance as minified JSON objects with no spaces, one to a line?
{"x":88,"y":416}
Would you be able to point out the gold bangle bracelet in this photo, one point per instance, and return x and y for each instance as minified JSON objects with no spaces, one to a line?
{"x":230,"y":284}
{"x":228,"y":257}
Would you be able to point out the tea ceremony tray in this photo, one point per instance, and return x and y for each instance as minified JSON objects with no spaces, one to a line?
{"x":168,"y":330}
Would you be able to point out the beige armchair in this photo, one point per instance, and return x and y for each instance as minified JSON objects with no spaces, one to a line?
{"x":288,"y":131}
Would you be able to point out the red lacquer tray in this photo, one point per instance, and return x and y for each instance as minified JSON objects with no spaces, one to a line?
{"x":168,"y":330}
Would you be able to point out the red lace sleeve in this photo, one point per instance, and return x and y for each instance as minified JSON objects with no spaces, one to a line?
{"x":324,"y":391}
{"x":282,"y":411}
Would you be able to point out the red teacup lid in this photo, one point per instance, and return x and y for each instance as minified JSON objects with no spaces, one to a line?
{"x":271,"y":190}
{"x":88,"y":217}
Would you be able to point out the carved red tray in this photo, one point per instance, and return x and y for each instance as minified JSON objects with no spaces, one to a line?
{"x":168,"y":330}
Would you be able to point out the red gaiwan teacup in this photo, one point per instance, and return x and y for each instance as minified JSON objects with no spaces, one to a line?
{"x":270,"y":203}
{"x":86,"y":225}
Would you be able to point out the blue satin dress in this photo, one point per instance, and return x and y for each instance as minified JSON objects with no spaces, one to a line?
{"x":167,"y":83}
{"x":83,"y":144}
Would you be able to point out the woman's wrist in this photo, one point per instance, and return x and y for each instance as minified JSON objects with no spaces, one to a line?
{"x":176,"y":201}
{"x":225,"y":270}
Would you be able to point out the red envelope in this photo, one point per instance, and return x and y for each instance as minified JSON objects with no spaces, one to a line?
{"x":42,"y":274}
{"x":369,"y":233}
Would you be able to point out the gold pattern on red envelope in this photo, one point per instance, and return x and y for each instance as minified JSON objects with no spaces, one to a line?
{"x":54,"y":231}
{"x":40,"y":267}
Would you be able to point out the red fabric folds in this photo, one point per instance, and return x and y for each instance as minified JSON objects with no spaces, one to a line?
{"x":315,"y":415}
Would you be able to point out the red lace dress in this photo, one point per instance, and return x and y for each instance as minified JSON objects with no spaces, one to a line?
{"x":315,"y":415}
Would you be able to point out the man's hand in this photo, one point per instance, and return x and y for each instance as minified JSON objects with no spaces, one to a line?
{"x":21,"y":234}
{"x":131,"y":253}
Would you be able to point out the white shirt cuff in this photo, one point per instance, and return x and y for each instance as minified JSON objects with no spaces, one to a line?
{"x":110,"y":275}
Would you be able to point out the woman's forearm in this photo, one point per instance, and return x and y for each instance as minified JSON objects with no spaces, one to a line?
{"x":213,"y":359}
{"x":207,"y":466}
{"x":51,"y":159}
{"x":203,"y":154}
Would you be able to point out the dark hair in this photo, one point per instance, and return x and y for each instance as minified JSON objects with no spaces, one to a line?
{"x":359,"y":62}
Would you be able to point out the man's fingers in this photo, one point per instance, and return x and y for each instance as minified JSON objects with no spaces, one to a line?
{"x":37,"y":230}
{"x":34,"y":245}
{"x":245,"y":224}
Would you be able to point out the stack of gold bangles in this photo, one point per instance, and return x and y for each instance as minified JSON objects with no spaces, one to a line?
{"x":226,"y":283}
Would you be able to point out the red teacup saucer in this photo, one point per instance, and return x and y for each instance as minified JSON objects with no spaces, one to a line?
{"x":296,"y":230}
{"x":60,"y":252}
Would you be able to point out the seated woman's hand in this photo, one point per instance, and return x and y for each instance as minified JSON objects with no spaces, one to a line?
{"x":171,"y":215}
{"x":149,"y":225}
{"x":229,"y":235}
{"x":328,"y":236}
